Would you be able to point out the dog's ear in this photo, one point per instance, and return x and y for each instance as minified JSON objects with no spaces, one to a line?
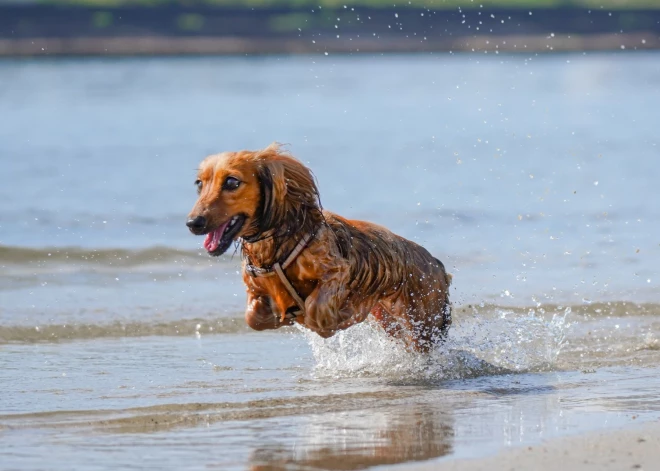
{"x":273,"y":193}
{"x":288,"y":189}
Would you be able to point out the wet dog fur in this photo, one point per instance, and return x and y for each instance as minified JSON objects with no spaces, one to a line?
{"x":269,"y":200}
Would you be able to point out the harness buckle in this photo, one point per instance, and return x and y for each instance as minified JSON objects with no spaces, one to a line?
{"x":293,"y":312}
{"x":251,"y":269}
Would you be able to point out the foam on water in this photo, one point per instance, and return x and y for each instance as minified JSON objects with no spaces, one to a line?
{"x":480,"y":343}
{"x":649,"y":342}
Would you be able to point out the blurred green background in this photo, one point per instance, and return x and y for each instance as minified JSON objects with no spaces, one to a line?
{"x":295,"y":26}
{"x":433,"y":4}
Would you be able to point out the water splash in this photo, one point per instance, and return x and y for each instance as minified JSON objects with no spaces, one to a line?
{"x":362,"y":350}
{"x":486,"y":341}
{"x":649,"y":342}
{"x":511,"y":340}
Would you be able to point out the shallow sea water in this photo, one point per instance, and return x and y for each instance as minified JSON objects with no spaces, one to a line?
{"x":122,"y":344}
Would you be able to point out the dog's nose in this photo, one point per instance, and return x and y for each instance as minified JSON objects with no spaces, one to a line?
{"x":196,"y":223}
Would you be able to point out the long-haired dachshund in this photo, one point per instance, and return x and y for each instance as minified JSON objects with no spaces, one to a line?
{"x":307,"y":265}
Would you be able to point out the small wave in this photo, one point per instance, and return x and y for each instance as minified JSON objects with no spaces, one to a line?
{"x":84,"y":331}
{"x":590,"y":310}
{"x":650,"y":342}
{"x":106,"y":256}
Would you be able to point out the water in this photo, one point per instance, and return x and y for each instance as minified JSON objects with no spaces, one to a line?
{"x":123,"y":344}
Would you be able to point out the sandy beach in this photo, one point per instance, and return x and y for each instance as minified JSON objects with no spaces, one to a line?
{"x":634,"y":447}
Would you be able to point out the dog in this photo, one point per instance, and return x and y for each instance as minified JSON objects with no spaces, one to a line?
{"x":303,"y":264}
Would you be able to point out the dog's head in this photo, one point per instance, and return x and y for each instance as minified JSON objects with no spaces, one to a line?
{"x":247,"y":194}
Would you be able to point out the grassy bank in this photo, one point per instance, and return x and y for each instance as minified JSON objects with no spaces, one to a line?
{"x":120,"y":27}
{"x":432,"y":4}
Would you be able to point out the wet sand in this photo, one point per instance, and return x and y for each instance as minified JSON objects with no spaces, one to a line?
{"x":634,"y":447}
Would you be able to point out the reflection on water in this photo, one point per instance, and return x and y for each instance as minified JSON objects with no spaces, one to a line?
{"x":358,"y":440}
{"x":359,"y":429}
{"x":215,"y":400}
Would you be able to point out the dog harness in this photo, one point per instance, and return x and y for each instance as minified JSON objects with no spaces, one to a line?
{"x":278,"y":269}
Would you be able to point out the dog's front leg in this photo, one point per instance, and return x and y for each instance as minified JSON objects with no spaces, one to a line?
{"x":259,"y":314}
{"x":349,"y":317}
{"x":322,"y":306}
{"x":328,"y":309}
{"x":352,"y":315}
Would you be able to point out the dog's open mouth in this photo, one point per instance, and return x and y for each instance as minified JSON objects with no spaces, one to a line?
{"x":218,"y":241}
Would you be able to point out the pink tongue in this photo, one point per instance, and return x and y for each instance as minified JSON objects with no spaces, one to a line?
{"x":212,"y":239}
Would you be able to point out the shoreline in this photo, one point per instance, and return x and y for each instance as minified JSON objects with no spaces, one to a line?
{"x":240,"y":46}
{"x":634,"y":447}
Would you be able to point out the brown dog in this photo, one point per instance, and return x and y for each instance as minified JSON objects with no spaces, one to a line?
{"x":307,"y":265}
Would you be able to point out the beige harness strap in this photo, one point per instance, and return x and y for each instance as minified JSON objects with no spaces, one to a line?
{"x":289,"y":287}
{"x":278,"y":269}
{"x":297,"y":250}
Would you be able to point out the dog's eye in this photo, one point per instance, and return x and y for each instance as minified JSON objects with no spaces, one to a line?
{"x":198,"y":184}
{"x":231,"y":183}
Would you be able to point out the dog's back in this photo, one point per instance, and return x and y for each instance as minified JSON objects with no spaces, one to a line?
{"x":411,"y":285}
